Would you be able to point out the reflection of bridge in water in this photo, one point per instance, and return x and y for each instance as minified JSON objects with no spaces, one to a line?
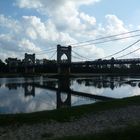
{"x":106,"y":82}
{"x":61,"y":88}
{"x":64,"y":88}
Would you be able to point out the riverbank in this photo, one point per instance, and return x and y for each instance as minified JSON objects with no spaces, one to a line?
{"x":88,"y":121}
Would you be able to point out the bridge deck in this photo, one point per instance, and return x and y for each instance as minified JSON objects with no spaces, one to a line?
{"x":77,"y":93}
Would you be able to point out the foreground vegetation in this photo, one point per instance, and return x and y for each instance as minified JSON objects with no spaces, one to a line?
{"x":66,"y":114}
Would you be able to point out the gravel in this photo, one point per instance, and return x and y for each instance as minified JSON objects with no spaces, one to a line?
{"x":89,"y":124}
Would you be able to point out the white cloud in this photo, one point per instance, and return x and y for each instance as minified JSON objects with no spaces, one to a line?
{"x":34,"y":23}
{"x":50,"y":3}
{"x":88,"y":19}
{"x":36,"y":29}
{"x":7,"y":42}
{"x":32,"y":36}
{"x":28,"y":45}
{"x":64,"y":24}
{"x":115,"y":25}
{"x":8,"y":22}
{"x":31,"y":33}
{"x":87,"y":2}
{"x":64,"y":14}
{"x":28,"y":4}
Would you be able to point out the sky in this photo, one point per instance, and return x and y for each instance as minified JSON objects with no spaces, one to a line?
{"x":37,"y":26}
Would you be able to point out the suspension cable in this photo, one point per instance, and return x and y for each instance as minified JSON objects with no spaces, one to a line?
{"x":52,"y":55}
{"x":101,"y":42}
{"x":121,"y":50}
{"x":105,"y":37}
{"x":128,"y":53}
{"x":81,"y":55}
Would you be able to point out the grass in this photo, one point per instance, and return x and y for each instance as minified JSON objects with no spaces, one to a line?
{"x":66,"y":114}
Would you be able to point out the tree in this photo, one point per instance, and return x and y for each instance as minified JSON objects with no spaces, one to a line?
{"x":2,"y":66}
{"x":2,"y":63}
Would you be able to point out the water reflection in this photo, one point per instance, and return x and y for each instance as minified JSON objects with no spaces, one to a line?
{"x":31,"y":94}
{"x":63,"y":99}
{"x":110,"y":86}
{"x":109,"y":82}
{"x":61,"y":87}
{"x":40,"y":93}
{"x":29,"y":89}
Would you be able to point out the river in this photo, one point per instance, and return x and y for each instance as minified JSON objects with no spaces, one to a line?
{"x":32,"y":94}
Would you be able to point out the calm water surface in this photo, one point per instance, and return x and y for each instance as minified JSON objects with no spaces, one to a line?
{"x":39,"y":93}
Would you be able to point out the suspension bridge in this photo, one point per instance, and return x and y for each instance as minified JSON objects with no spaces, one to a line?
{"x":67,"y":65}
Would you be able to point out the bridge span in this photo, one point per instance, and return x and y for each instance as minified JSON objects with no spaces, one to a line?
{"x":108,"y":61}
{"x":77,"y":93}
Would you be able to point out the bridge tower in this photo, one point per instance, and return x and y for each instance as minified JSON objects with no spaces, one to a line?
{"x":63,"y":93}
{"x":29,"y":61}
{"x":29,"y":90}
{"x":63,"y":64}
